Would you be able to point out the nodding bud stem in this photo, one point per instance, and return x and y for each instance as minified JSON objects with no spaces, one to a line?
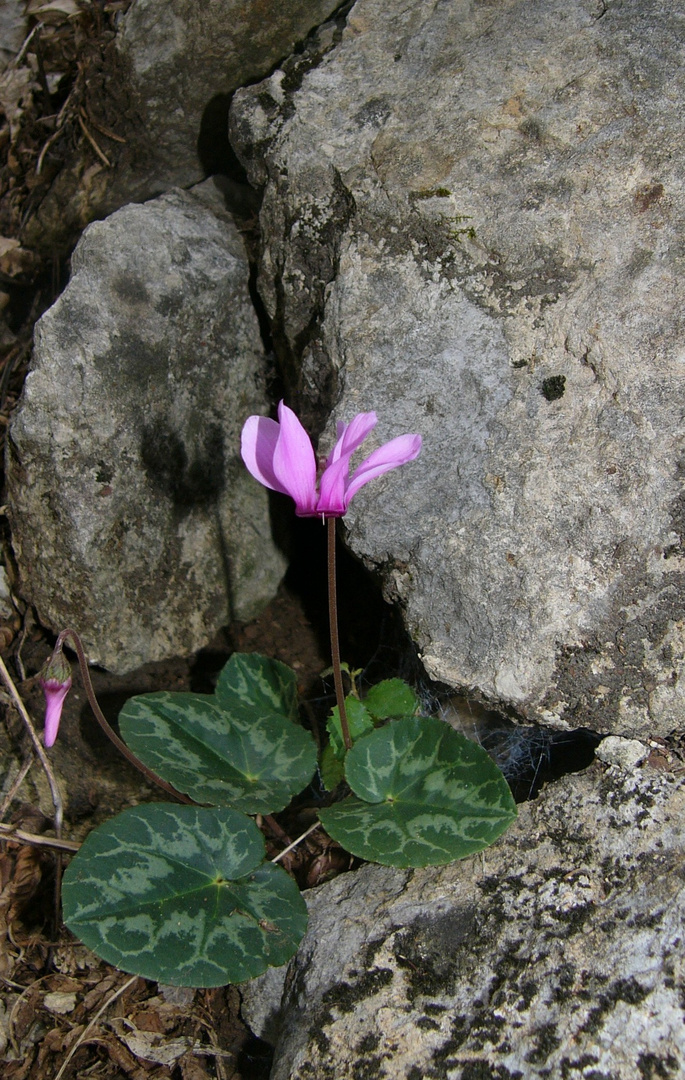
{"x":55,"y":678}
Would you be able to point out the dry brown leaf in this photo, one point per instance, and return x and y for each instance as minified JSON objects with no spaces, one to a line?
{"x":96,"y":996}
{"x":64,"y":984}
{"x":28,"y":872}
{"x":157,"y":1015}
{"x":54,"y":1042}
{"x":192,"y":1067}
{"x":53,"y":12}
{"x":59,"y":1003}
{"x":14,"y":259}
{"x":6,"y":868}
{"x":149,"y":1045}
{"x":122,"y":1057}
{"x":17,"y":1070}
{"x":16,"y":88}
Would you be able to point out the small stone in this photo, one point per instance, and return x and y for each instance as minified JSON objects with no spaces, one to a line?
{"x":59,"y":1003}
{"x":627,"y":753}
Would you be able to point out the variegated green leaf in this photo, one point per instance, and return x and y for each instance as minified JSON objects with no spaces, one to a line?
{"x":331,"y":768}
{"x":218,"y":756}
{"x":391,"y":697}
{"x":251,"y":685}
{"x":181,"y":894}
{"x":358,"y":720}
{"x":423,"y":796}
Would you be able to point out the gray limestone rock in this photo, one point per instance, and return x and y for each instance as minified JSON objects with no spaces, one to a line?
{"x":13,"y":30}
{"x":182,"y":54}
{"x":162,"y":86}
{"x":556,"y":953}
{"x":472,"y":223}
{"x":133,"y":519}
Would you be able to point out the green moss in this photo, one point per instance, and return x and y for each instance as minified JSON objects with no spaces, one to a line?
{"x":554,"y":387}
{"x":429,"y":193}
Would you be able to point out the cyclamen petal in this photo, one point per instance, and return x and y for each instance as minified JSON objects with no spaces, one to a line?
{"x":55,"y":694}
{"x":281,"y":456}
{"x":391,"y":455}
{"x":55,"y":678}
{"x":352,"y":435}
{"x":257,"y":446}
{"x":294,"y":463}
{"x":333,"y":496}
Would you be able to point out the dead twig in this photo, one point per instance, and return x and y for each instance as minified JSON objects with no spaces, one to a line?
{"x":22,"y":52}
{"x":316,"y":825}
{"x":9,"y":832}
{"x":14,"y":788}
{"x":103,"y":130}
{"x":19,"y":663}
{"x":41,"y":157}
{"x":59,"y":124}
{"x":100,"y":153}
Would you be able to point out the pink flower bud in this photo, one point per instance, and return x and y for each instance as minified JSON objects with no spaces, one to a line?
{"x":55,"y":678}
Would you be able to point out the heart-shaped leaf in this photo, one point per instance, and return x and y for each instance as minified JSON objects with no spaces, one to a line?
{"x":198,"y":743}
{"x":391,"y":697}
{"x":331,"y":767}
{"x":423,"y":796}
{"x":251,"y":685}
{"x":181,"y":894}
{"x":358,"y":720}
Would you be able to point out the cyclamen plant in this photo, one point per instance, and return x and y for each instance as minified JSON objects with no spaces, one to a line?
{"x":184,"y":893}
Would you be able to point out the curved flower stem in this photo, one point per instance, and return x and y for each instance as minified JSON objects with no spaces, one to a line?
{"x":335,"y":639}
{"x":111,"y":735}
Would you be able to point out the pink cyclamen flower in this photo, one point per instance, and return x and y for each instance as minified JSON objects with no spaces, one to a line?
{"x":55,"y":678}
{"x":281,"y":456}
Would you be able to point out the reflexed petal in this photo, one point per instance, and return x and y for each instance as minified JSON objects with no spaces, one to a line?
{"x":390,"y":456}
{"x":257,"y":447}
{"x":352,"y":435}
{"x":294,"y":464}
{"x":332,"y":501}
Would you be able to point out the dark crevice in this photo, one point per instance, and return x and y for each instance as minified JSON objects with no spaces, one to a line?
{"x":529,"y":755}
{"x":373,"y":637}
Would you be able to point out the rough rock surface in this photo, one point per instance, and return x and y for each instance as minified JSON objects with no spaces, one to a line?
{"x":13,"y":29}
{"x":182,"y":54}
{"x":557,"y":953}
{"x":472,"y":222}
{"x":133,"y":519}
{"x":169,"y":71}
